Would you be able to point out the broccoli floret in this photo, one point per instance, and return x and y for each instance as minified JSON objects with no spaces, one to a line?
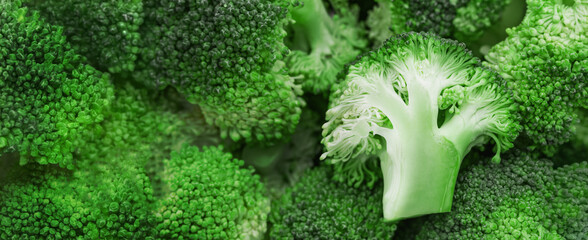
{"x":48,"y":96}
{"x":210,"y":195}
{"x":545,"y":61}
{"x":323,"y":43}
{"x":319,"y":208}
{"x":145,"y":125}
{"x":521,"y":198}
{"x":464,"y":20}
{"x":106,"y":31}
{"x":419,"y":104}
{"x":226,"y":56}
{"x":98,"y":201}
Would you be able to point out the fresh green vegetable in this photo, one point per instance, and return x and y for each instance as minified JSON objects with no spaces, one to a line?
{"x":419,"y":103}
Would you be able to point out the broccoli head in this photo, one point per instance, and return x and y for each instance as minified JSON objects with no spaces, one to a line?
{"x":419,"y":103}
{"x":210,"y":195}
{"x":48,"y":96}
{"x":521,"y":198}
{"x":106,"y":32}
{"x":318,"y":208}
{"x":227,"y":57}
{"x":464,"y":20}
{"x":101,"y":200}
{"x":545,"y":61}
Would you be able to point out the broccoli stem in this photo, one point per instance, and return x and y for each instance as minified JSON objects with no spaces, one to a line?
{"x":419,"y":175}
{"x":317,"y":33}
{"x":419,"y":164}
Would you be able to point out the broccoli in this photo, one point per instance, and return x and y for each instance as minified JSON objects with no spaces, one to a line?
{"x":319,"y":208}
{"x":49,"y":98}
{"x":522,"y":198}
{"x":419,"y":103}
{"x":227,"y":57}
{"x":544,"y":60}
{"x":464,"y":20}
{"x":106,"y":32}
{"x":148,"y":128}
{"x":322,"y":43}
{"x":101,"y":200}
{"x":209,"y":195}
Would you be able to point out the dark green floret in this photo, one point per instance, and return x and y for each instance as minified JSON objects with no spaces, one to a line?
{"x":419,"y":103}
{"x":523,"y":197}
{"x":319,"y":208}
{"x":210,"y":195}
{"x":106,"y":31}
{"x":227,"y":57}
{"x":49,"y":97}
{"x":464,"y":20}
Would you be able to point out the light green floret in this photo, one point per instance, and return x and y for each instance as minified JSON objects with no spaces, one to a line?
{"x":322,"y":44}
{"x":210,"y":195}
{"x":98,"y":201}
{"x":545,"y":61}
{"x":419,"y":103}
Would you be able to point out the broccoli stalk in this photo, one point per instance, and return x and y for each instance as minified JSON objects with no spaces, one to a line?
{"x":322,"y":44}
{"x":390,"y":105}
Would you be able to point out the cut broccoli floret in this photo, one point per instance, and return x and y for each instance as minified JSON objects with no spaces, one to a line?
{"x":545,"y":61}
{"x":48,"y":96}
{"x":323,"y":43}
{"x":521,"y":198}
{"x":464,"y":20}
{"x":227,"y":57}
{"x":319,"y":208}
{"x":419,"y":103}
{"x":210,"y":195}
{"x":106,"y":31}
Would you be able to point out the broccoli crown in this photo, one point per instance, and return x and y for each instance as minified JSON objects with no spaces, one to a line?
{"x":464,"y":20}
{"x":210,"y":196}
{"x":48,"y":96}
{"x":99,"y":201}
{"x":319,"y":208}
{"x":545,"y":62}
{"x":416,"y":90}
{"x":227,"y":57}
{"x":521,"y":198}
{"x":106,"y":32}
{"x":323,"y":43}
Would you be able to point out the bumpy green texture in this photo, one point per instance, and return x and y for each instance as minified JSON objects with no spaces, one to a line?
{"x":226,"y":56}
{"x":545,"y":62}
{"x":323,"y":43}
{"x":520,"y":198}
{"x":419,"y":103}
{"x":105,"y":31}
{"x":48,"y":96}
{"x":99,"y":201}
{"x":210,"y":196}
{"x":577,"y":148}
{"x":319,"y":208}
{"x":146,"y":126}
{"x":464,"y":20}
